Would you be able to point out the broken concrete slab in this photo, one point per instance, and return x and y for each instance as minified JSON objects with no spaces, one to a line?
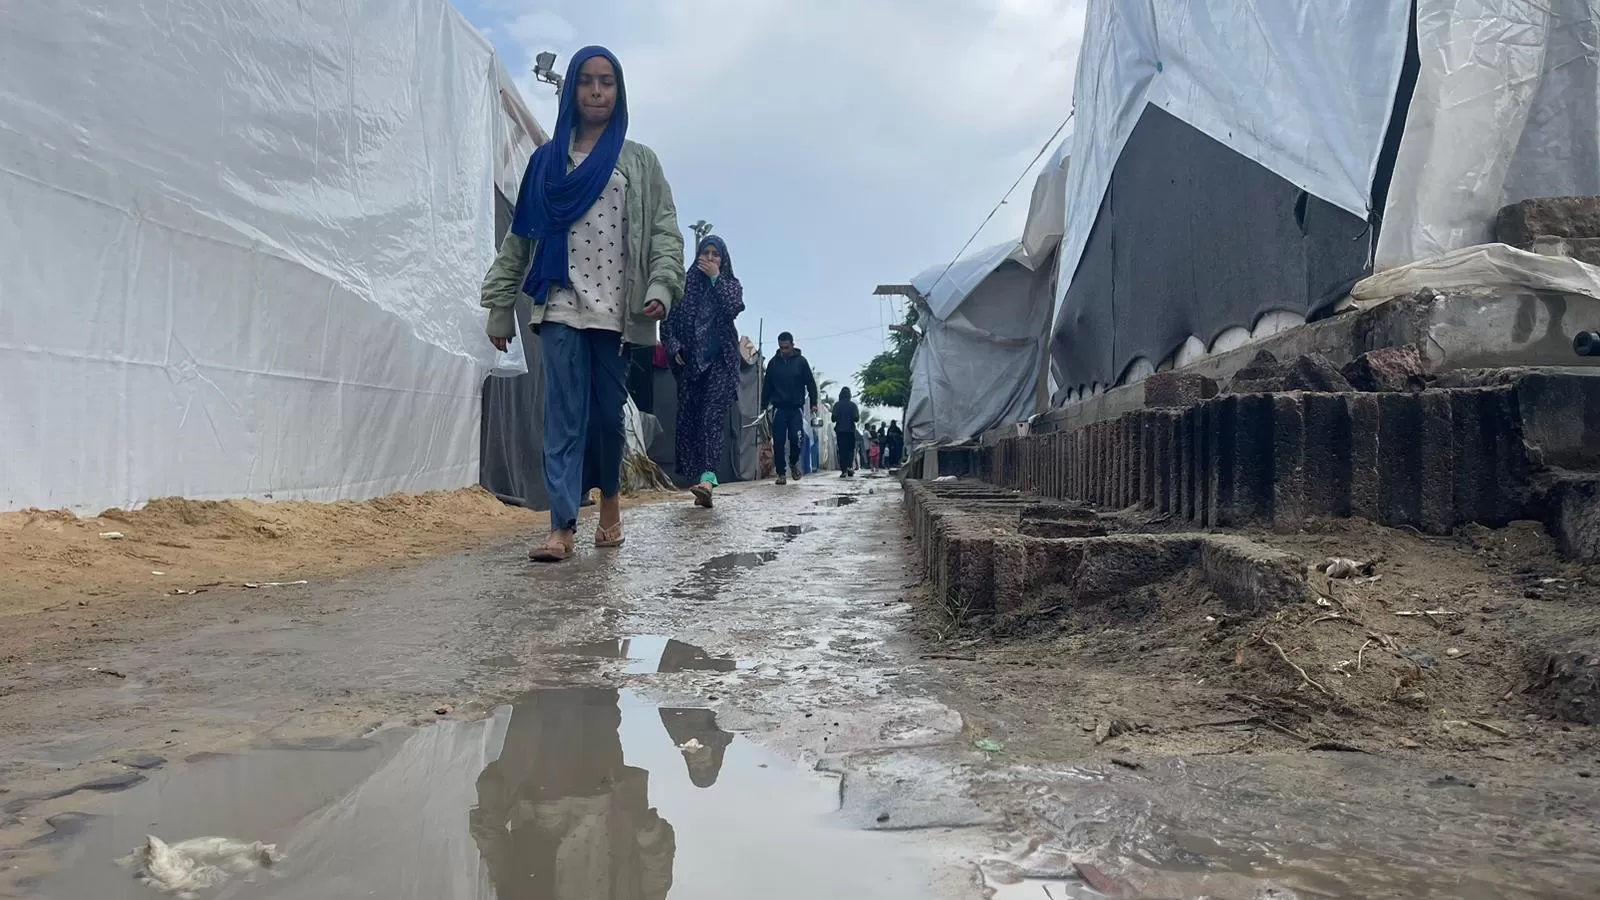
{"x":1581,"y":249}
{"x":1521,"y":223}
{"x":1570,"y":675}
{"x":1177,"y":389}
{"x":1395,"y":369}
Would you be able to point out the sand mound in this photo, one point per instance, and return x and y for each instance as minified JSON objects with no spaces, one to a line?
{"x":48,"y":554}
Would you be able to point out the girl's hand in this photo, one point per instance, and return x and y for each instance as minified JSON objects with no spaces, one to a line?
{"x":500,"y":343}
{"x":711,"y":268}
{"x":655,"y":310}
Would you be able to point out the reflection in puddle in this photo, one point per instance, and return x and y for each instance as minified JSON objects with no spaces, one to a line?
{"x":569,"y":793}
{"x":791,"y":531}
{"x":731,"y":561}
{"x":649,"y":654}
{"x":841,"y":500}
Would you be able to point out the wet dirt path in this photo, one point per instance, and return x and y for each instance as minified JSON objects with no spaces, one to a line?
{"x":724,"y":705}
{"x":730,"y":706}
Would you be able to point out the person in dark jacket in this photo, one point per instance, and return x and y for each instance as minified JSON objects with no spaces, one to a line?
{"x":845,"y":418}
{"x":788,"y":386}
{"x":896,"y":440}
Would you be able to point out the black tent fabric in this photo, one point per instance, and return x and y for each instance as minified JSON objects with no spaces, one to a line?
{"x":511,"y":429}
{"x":511,"y":452}
{"x":1193,"y":239}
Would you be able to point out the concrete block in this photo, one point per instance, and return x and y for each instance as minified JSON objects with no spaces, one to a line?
{"x":1220,"y":434}
{"x":1117,"y":564}
{"x":1560,"y":413}
{"x":1248,"y":577}
{"x":1582,"y":249}
{"x":1204,"y":461}
{"x":1313,"y":372}
{"x":1253,"y":470}
{"x":1389,"y":369}
{"x":1365,"y":479}
{"x":1400,"y":459}
{"x":1188,"y":461}
{"x":1437,"y":513}
{"x":1177,"y":389}
{"x":1165,"y":489}
{"x":1570,"y":673}
{"x":1148,"y":458}
{"x":1264,"y":375}
{"x":1564,"y":217}
{"x":1573,"y":502}
{"x":1327,"y":455}
{"x":1288,"y":461}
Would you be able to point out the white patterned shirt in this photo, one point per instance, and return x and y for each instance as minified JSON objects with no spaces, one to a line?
{"x":596,"y":249}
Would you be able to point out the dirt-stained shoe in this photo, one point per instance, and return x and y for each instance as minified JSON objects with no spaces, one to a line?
{"x":702,"y":494}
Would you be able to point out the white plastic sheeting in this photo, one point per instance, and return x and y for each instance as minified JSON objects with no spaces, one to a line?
{"x":977,"y":365}
{"x":1491,"y":267}
{"x":1505,"y":109}
{"x":944,"y":287}
{"x":242,"y":247}
{"x":1306,"y":88}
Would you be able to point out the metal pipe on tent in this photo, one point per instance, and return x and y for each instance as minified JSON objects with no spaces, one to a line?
{"x":761,"y":370}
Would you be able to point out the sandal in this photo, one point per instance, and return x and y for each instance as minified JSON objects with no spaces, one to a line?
{"x":556,"y":547}
{"x":702,"y":494}
{"x":608,"y":537}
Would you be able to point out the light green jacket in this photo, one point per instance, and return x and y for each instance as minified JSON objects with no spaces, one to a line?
{"x":653,"y":268}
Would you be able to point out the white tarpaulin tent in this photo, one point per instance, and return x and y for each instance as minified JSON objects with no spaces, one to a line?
{"x":242,"y":247}
{"x":984,"y":320}
{"x":1316,"y":93}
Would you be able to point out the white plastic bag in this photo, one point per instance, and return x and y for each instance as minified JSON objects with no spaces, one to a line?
{"x":511,"y":363}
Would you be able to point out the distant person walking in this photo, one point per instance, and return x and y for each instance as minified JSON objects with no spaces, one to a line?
{"x":845,"y":418}
{"x":874,"y":447}
{"x":594,"y":241}
{"x":788,"y":385}
{"x":703,"y":348}
{"x":896,"y":439}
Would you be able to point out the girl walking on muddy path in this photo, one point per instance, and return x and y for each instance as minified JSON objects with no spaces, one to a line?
{"x":594,"y":242}
{"x":702,"y":346}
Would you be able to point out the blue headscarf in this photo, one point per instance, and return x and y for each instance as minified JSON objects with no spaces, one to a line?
{"x":712,"y":240}
{"x":552,"y":199}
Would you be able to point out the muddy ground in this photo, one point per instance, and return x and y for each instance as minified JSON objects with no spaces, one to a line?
{"x":774,"y":687}
{"x":1432,"y":651}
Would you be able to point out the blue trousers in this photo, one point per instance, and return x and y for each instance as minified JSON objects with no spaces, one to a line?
{"x":586,"y":385}
{"x":788,"y":429}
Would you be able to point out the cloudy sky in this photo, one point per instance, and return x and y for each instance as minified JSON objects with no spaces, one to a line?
{"x":835,"y":144}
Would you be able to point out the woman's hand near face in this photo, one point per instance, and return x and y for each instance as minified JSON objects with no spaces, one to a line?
{"x":711,"y":267}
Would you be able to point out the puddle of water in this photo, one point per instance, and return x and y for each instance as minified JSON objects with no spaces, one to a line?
{"x":652,"y":654}
{"x":568,"y":793}
{"x":731,"y":561}
{"x":791,"y":531}
{"x":841,"y":500}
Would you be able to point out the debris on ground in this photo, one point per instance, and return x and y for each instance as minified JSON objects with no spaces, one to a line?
{"x":1342,"y":567}
{"x":1444,"y":640}
{"x":989,"y":745}
{"x":186,"y":868}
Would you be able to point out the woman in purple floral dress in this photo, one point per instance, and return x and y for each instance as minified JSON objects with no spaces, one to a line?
{"x":702,"y":345}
